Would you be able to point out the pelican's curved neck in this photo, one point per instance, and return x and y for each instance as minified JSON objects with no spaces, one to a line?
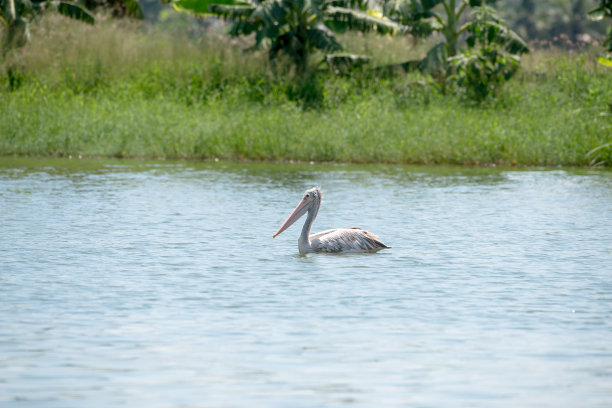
{"x":304,"y":241}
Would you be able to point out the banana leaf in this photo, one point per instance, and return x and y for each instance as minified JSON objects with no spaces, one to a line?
{"x":230,"y":11}
{"x":496,"y":33}
{"x":202,"y":7}
{"x":342,"y":19}
{"x":344,"y":63}
{"x":74,"y":11}
{"x":605,"y":61}
{"x":601,"y":11}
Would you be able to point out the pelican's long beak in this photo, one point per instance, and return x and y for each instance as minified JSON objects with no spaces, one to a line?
{"x":294,"y":216}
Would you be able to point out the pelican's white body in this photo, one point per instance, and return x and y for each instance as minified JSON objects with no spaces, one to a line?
{"x":334,"y":240}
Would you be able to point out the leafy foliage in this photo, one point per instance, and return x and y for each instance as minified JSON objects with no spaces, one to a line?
{"x":481,"y":73}
{"x":427,"y":16}
{"x":202,"y":98}
{"x":294,"y":28}
{"x":492,"y":55}
{"x":418,"y":15}
{"x":345,"y":18}
{"x":488,"y":30}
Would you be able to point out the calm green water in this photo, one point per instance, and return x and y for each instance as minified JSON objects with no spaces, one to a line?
{"x":153,"y":284}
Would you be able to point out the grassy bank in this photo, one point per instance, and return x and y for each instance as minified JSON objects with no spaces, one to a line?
{"x":119,"y":90}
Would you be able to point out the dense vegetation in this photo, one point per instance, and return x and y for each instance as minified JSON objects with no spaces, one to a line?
{"x":119,"y":89}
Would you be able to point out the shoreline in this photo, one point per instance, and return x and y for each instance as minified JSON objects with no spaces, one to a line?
{"x":149,"y":160}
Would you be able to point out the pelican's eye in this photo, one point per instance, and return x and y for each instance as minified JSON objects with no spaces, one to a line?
{"x":307,"y":196}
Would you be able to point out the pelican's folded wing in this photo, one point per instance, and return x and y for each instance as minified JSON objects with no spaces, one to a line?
{"x":346,"y":240}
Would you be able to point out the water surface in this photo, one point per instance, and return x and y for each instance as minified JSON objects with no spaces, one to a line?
{"x":155,"y":284}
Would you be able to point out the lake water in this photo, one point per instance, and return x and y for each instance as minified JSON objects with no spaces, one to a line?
{"x":158,"y":284}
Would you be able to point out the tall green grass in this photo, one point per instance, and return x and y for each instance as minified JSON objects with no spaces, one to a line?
{"x":122,"y":89}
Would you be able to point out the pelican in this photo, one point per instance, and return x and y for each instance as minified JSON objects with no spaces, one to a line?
{"x":333,"y":240}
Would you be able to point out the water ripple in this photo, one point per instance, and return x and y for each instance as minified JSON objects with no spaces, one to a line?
{"x":158,"y":285}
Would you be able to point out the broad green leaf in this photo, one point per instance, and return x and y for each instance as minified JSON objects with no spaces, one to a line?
{"x":345,"y":57}
{"x":202,"y":6}
{"x":322,"y":40}
{"x":498,"y":33}
{"x":341,"y":63}
{"x":231,"y":12}
{"x":606,"y":61}
{"x":75,"y":11}
{"x":133,"y":9}
{"x":356,"y":19}
{"x":479,"y":3}
{"x":435,"y":60}
{"x":596,"y":14}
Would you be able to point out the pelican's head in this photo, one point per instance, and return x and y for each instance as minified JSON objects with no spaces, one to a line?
{"x":314,"y":194}
{"x":310,"y":198}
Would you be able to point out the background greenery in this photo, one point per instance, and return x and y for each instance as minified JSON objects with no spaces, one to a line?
{"x":125,"y":89}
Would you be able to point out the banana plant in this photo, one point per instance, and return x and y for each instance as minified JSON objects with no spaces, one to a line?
{"x":446,"y":17}
{"x":604,"y":10}
{"x":491,"y":57}
{"x":14,"y":16}
{"x":295,"y":28}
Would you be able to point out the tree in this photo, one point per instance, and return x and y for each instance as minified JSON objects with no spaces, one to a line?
{"x":446,"y":17}
{"x":493,"y":49}
{"x":295,"y":28}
